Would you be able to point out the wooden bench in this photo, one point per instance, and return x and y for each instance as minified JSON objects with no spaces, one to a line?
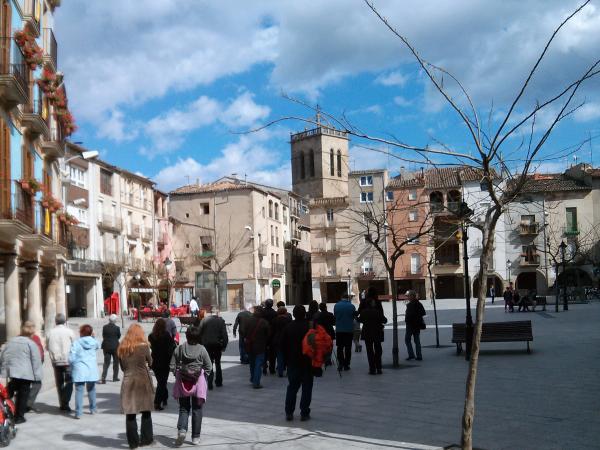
{"x":517,"y":331}
{"x":540,"y":300}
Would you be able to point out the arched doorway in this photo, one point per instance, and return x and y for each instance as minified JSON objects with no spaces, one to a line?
{"x":527,"y":281}
{"x":492,"y":280}
{"x":575,"y":278}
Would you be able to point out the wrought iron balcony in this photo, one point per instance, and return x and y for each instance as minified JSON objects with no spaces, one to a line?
{"x":529,"y":228}
{"x":110,"y":223}
{"x":32,"y":117}
{"x":50,"y":48}
{"x":14,"y":77}
{"x":530,"y":260}
{"x":32,"y":13}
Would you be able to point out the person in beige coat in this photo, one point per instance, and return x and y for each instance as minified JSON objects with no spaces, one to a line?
{"x":137,"y":392}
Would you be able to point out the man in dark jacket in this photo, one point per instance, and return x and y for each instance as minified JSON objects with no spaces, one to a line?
{"x":299,"y":366}
{"x":111,"y":334}
{"x":213,"y":335}
{"x":414,"y":319}
{"x":257,"y":334}
{"x":240,"y":322}
{"x":325,"y":319}
{"x":269,"y":314}
{"x":279,"y":323}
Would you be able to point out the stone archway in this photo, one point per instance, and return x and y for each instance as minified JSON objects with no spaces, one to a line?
{"x":492,"y":280}
{"x":534,"y":280}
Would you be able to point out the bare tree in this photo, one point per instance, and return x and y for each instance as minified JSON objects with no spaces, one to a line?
{"x":383,"y":229}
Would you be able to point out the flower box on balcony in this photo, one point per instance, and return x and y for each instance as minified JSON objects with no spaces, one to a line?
{"x":34,"y":54}
{"x":31,"y":186}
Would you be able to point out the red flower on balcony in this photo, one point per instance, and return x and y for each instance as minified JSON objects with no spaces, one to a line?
{"x":31,"y":185}
{"x":47,"y":81}
{"x":34,"y":54}
{"x":68,"y":122}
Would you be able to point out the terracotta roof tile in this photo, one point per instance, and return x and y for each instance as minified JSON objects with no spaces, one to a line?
{"x":553,"y":183}
{"x":210,"y":187}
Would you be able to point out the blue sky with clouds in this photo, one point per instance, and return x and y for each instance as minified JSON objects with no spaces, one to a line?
{"x":160,"y":86}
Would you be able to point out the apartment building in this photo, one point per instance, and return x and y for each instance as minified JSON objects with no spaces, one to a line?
{"x":113,"y":247}
{"x":408,"y":218}
{"x":554,"y":209}
{"x":34,"y":120}
{"x":320,"y":175}
{"x":367,"y":197}
{"x":229,"y":243}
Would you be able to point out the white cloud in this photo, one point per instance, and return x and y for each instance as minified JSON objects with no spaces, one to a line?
{"x":395,"y":78}
{"x":589,"y":111}
{"x":243,"y":112}
{"x":114,"y":127}
{"x":401,"y":101}
{"x":248,"y":156}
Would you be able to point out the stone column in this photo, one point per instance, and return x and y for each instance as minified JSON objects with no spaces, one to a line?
{"x":34,"y":298}
{"x":12,"y":306}
{"x":61,"y":306}
{"x":50,"y":313}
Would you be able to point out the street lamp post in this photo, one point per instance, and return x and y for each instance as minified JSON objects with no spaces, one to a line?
{"x":563,"y":248}
{"x":349,"y":274}
{"x":168,"y":264}
{"x":508,"y":266}
{"x":138,"y":277}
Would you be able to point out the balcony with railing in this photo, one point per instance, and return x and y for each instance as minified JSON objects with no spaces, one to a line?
{"x":110,"y":223}
{"x":147,"y":234}
{"x":14,"y":77}
{"x":327,"y":250}
{"x":277,"y":269}
{"x":133,"y":231}
{"x":50,"y":48}
{"x":530,"y":259}
{"x":21,"y":208}
{"x":32,"y":116}
{"x":54,"y":146}
{"x":32,"y":13}
{"x":296,"y":235}
{"x":365,"y":273}
{"x":112,"y":257}
{"x":571,"y":231}
{"x":529,"y":228}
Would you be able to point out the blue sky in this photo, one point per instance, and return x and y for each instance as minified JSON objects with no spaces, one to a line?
{"x":159,"y":88}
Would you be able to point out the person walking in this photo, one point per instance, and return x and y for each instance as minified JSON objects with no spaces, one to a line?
{"x":299,"y":366}
{"x":269,"y":314}
{"x":162,"y":346}
{"x":84,"y":366}
{"x":373,"y":321}
{"x":136,"y":390}
{"x":191,"y":365}
{"x":414,"y":323}
{"x":240,"y":321}
{"x":344,"y":313}
{"x":313,"y":310}
{"x":325,"y":319}
{"x":257,"y":335}
{"x":111,"y":334}
{"x":279,"y":324}
{"x":194,"y":307}
{"x":21,"y":363}
{"x":508,"y":299}
{"x":170,"y":324}
{"x":213,"y":335}
{"x":58,"y":342}
{"x":493,"y":293}
{"x":36,"y":385}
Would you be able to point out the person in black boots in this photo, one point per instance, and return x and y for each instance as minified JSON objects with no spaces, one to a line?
{"x":269,"y":314}
{"x":373,"y":320}
{"x":111,"y":334}
{"x":213,"y":335}
{"x":414,"y":322}
{"x":299,"y":366}
{"x":162,"y":346}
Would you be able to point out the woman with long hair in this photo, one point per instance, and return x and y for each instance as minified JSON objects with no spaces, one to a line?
{"x":162,"y":346}
{"x":84,"y":368}
{"x":136,"y":391}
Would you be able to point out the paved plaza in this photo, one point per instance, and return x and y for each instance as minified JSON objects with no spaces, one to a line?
{"x":549,"y":399}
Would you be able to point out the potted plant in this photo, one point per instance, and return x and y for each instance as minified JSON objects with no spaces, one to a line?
{"x":34,"y":185}
{"x":34,"y":54}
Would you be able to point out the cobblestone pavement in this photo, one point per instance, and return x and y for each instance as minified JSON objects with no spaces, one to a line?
{"x":548,"y":399}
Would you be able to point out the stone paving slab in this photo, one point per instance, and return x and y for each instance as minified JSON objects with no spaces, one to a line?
{"x":548,"y":399}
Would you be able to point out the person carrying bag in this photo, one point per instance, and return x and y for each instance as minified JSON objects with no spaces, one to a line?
{"x":191,"y":365}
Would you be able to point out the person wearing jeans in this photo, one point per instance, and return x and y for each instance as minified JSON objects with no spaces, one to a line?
{"x":84,"y":366}
{"x":257,"y":335}
{"x":213,"y":335}
{"x":414,"y":320}
{"x":90,"y":387}
{"x":192,"y":366}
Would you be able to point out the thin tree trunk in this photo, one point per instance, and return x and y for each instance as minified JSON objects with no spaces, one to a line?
{"x":431,"y":285}
{"x":469,"y":408}
{"x":395,"y":349}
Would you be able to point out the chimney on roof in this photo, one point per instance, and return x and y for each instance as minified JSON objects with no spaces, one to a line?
{"x":405,"y":174}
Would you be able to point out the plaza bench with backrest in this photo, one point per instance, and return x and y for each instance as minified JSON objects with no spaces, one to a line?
{"x":516,"y":331}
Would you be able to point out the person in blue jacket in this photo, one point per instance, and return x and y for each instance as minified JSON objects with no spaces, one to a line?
{"x":84,"y":368}
{"x":344,"y":312}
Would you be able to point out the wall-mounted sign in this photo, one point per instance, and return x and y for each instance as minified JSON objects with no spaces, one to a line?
{"x":141,"y":290}
{"x":276,"y":283}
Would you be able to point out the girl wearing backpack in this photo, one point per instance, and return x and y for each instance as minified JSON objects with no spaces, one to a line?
{"x":191,"y":366}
